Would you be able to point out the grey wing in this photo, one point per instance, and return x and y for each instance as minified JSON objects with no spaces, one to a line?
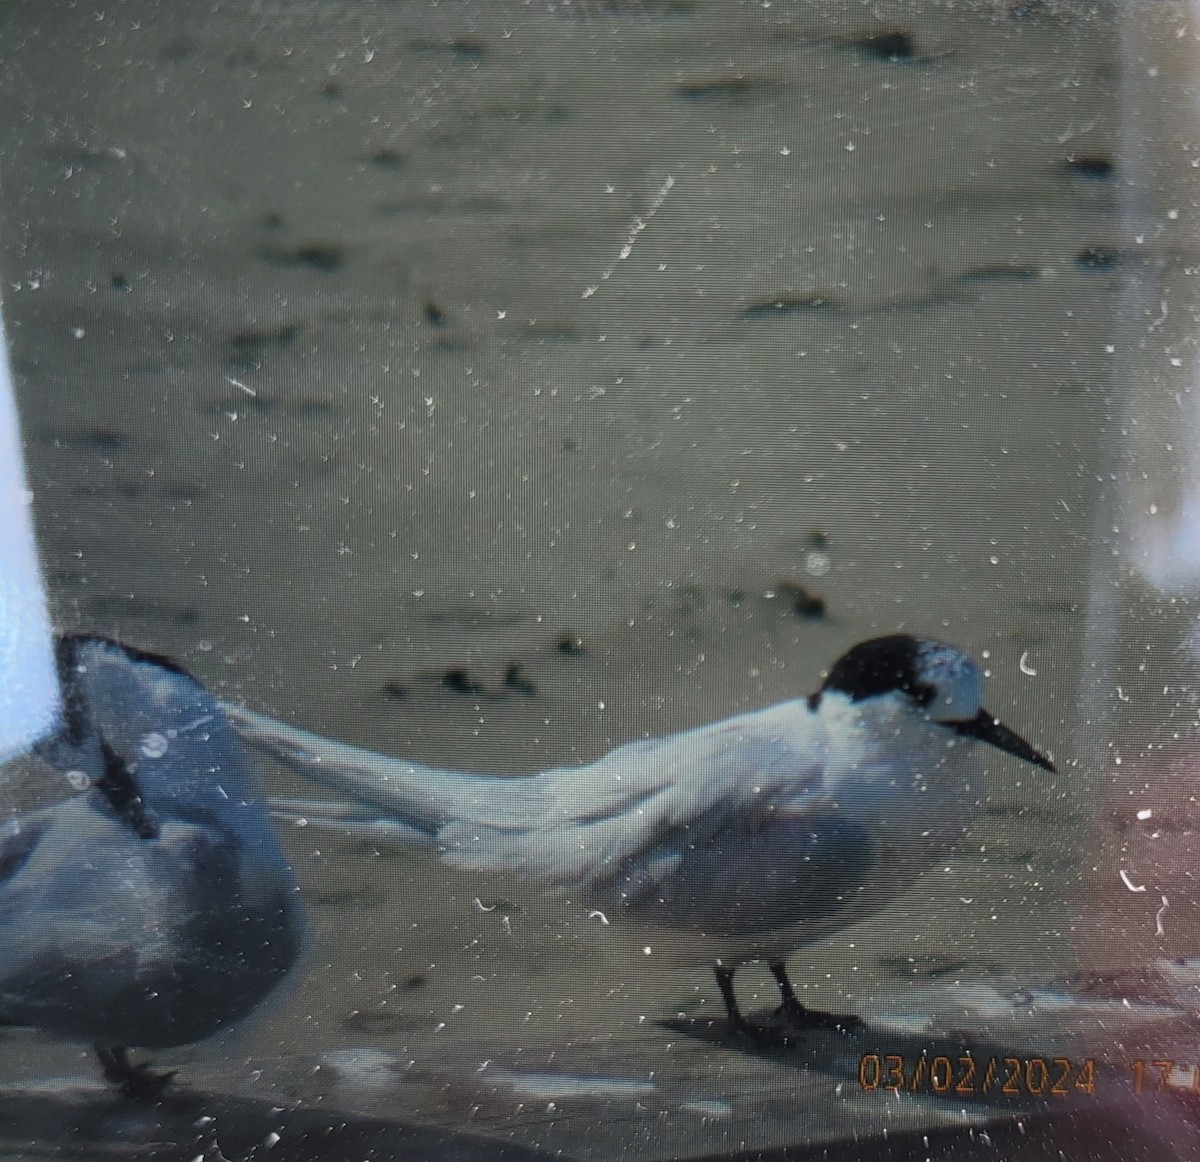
{"x":571,"y":826}
{"x":18,"y":838}
{"x":759,"y":873}
{"x":25,"y":930}
{"x":50,"y":864}
{"x":643,"y":803}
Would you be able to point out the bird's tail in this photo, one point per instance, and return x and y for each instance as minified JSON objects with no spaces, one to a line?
{"x":422,"y":799}
{"x":348,"y":819}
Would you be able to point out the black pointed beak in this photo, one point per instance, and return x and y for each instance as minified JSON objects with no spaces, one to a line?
{"x":987,"y":728}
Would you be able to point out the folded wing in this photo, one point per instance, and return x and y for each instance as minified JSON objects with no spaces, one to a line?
{"x":643,"y":802}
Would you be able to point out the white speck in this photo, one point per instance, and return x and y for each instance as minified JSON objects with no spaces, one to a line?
{"x":850,"y":147}
{"x":817,"y":564}
{"x":154,"y":745}
{"x":271,"y":1139}
{"x":78,"y":332}
{"x":707,"y":1108}
{"x":1145,"y":814}
{"x":647,"y":950}
{"x":369,"y":1071}
{"x":195,"y":724}
{"x":1158,"y":924}
{"x":640,"y":222}
{"x":553,"y":1087}
{"x":1130,"y":884}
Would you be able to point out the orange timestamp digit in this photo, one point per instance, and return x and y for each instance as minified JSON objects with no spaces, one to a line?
{"x":965,"y":1075}
{"x":1164,"y":1076}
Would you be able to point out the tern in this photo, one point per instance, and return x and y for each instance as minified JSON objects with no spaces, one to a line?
{"x":750,"y":837}
{"x":152,"y":907}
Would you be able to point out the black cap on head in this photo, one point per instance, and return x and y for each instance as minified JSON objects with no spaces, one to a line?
{"x":879,"y":666}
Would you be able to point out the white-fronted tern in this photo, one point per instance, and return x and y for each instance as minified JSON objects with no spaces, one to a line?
{"x":750,"y":837}
{"x":154,"y":906}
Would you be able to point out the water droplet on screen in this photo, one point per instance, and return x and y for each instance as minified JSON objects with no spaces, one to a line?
{"x":154,"y":745}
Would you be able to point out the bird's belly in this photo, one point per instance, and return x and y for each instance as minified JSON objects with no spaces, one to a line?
{"x":739,"y":897}
{"x":130,"y":993}
{"x":734,"y":884}
{"x":151,"y":945}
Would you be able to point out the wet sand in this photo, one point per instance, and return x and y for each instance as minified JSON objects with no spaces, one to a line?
{"x":496,"y":383}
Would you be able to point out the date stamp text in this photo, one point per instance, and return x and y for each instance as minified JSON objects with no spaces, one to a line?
{"x":969,"y":1076}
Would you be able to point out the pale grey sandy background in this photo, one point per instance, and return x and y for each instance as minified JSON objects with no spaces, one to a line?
{"x":551,"y":346}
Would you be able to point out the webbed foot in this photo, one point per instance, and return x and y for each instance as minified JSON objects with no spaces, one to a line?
{"x":801,"y":1016}
{"x":139,"y":1083}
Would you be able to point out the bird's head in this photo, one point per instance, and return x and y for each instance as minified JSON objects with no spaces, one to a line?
{"x":149,"y":738}
{"x":937,"y":680}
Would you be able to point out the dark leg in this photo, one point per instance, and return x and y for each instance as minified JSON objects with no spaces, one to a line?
{"x":137,"y":1082}
{"x":806,"y":1018}
{"x":763,"y":1034}
{"x":724,"y":977}
{"x":791,"y":1003}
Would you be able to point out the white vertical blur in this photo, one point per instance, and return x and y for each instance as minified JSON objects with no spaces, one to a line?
{"x":28,"y":681}
{"x":1146,"y":535}
{"x":1160,"y":184}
